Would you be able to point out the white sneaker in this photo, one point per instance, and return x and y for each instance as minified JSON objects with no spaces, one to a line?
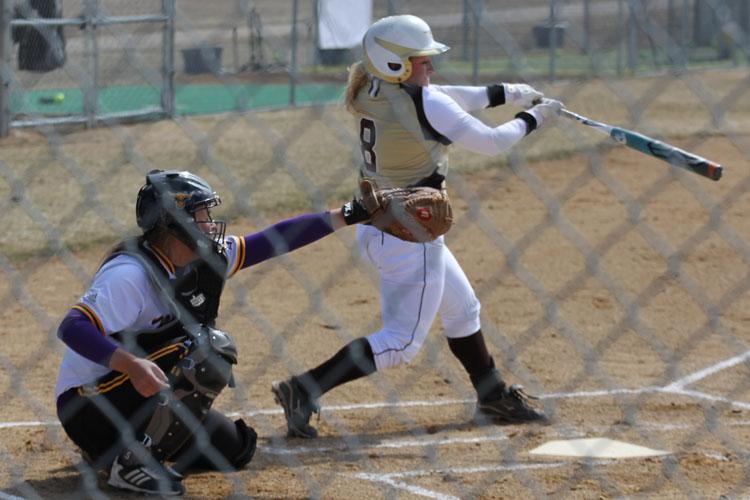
{"x":126,"y":475}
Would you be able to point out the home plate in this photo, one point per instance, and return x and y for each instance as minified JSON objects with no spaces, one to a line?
{"x":595,"y":447}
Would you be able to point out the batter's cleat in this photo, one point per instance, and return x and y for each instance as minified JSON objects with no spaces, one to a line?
{"x":298,"y":407}
{"x":511,"y":407}
{"x":128,"y":474}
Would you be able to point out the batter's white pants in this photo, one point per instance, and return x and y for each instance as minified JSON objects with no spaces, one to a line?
{"x":417,"y":281}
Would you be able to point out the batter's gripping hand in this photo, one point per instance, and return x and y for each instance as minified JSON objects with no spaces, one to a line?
{"x":546,"y":111}
{"x":417,"y":214}
{"x":521,"y":94}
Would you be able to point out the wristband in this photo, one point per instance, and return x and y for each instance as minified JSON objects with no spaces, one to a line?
{"x":354,"y":213}
{"x":496,"y":95}
{"x":531,"y":122}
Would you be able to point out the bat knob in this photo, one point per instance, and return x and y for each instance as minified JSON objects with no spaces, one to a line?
{"x":715,"y":172}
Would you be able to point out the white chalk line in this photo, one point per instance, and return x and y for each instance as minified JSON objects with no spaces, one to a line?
{"x":32,"y":423}
{"x":394,"y":444}
{"x":390,"y":478}
{"x":361,"y":446}
{"x":479,"y":469}
{"x":5,"y":496}
{"x":445,"y":402}
{"x":701,"y":374}
{"x":710,"y":397}
{"x":411,"y":488}
{"x":676,"y":387}
{"x":360,"y":406}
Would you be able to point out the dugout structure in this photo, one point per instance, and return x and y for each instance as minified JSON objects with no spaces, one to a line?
{"x":116,"y":61}
{"x":96,"y":48}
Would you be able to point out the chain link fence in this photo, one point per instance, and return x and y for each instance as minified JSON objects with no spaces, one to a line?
{"x":90,"y":63}
{"x":613,"y":286}
{"x":102,"y":60}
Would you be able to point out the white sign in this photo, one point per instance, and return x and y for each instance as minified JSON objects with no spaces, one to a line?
{"x":343,"y":23}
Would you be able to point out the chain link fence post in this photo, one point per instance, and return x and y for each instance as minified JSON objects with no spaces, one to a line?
{"x":5,"y":61}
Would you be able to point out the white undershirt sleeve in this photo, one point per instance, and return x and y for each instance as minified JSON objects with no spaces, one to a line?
{"x":469,"y":98}
{"x":451,"y":120}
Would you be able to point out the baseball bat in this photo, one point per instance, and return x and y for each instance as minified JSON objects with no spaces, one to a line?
{"x":663,"y":151}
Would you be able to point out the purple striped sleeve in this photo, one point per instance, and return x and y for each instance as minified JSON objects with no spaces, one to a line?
{"x":285,"y":236}
{"x":83,"y":337}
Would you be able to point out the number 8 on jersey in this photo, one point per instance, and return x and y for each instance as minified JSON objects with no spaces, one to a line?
{"x":367,"y":138}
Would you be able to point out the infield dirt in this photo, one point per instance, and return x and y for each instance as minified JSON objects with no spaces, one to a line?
{"x":598,"y":269}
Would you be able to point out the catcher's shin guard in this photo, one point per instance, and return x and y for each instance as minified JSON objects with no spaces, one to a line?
{"x":196,"y":381}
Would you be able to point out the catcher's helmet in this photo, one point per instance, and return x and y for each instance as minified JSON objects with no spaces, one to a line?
{"x":170,"y":199}
{"x":391,"y":41}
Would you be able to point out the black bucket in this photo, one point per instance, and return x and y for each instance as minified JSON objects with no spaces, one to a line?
{"x":543,"y":38}
{"x":206,"y":59}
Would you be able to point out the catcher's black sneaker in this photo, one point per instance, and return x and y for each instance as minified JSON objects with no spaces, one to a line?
{"x":128,"y":474}
{"x":511,"y":407}
{"x":298,"y":407}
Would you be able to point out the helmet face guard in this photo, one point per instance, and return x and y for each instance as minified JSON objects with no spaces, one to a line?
{"x":170,"y":200}
{"x":391,"y":41}
{"x":217,"y":228}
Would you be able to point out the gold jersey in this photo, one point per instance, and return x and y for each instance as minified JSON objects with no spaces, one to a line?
{"x":399,"y":146}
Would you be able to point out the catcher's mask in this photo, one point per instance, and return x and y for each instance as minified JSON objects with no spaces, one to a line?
{"x":170,"y":199}
{"x":390,"y":42}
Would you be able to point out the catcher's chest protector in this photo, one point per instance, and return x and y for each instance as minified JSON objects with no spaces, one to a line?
{"x":199,"y":292}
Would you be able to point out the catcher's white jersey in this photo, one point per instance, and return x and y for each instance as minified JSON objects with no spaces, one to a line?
{"x":122,"y":296}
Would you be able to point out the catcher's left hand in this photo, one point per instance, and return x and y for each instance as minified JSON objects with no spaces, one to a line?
{"x":417,"y":214}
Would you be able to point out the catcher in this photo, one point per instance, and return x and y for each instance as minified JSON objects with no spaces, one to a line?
{"x":406,"y":125}
{"x":144,"y":359}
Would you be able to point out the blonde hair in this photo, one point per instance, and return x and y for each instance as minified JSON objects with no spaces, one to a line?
{"x":358,"y":78}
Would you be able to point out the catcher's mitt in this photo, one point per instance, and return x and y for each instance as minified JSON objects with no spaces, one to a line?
{"x":417,"y":214}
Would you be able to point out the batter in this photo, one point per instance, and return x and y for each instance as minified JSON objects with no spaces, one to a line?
{"x":406,"y":126}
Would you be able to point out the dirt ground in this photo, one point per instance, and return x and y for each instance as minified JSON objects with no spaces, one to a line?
{"x":613,"y":286}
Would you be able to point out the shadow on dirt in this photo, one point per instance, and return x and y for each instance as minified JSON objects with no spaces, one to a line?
{"x":70,"y":482}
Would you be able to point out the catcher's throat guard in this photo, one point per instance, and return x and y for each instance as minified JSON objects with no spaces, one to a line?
{"x":416,"y":214}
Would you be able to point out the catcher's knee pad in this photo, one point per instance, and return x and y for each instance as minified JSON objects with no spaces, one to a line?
{"x":249,"y":440}
{"x":232,"y":445}
{"x":196,"y":381}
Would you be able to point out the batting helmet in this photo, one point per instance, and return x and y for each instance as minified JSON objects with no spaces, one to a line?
{"x":391,"y":41}
{"x":169,"y":201}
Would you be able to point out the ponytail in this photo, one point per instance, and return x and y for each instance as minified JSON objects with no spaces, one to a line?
{"x":358,"y":78}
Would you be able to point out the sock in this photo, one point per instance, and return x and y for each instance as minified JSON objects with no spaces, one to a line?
{"x":353,"y":361}
{"x":472,"y":352}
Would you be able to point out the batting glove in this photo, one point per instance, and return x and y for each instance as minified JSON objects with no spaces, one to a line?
{"x":521,"y":94}
{"x":541,"y":114}
{"x":546,"y":111}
